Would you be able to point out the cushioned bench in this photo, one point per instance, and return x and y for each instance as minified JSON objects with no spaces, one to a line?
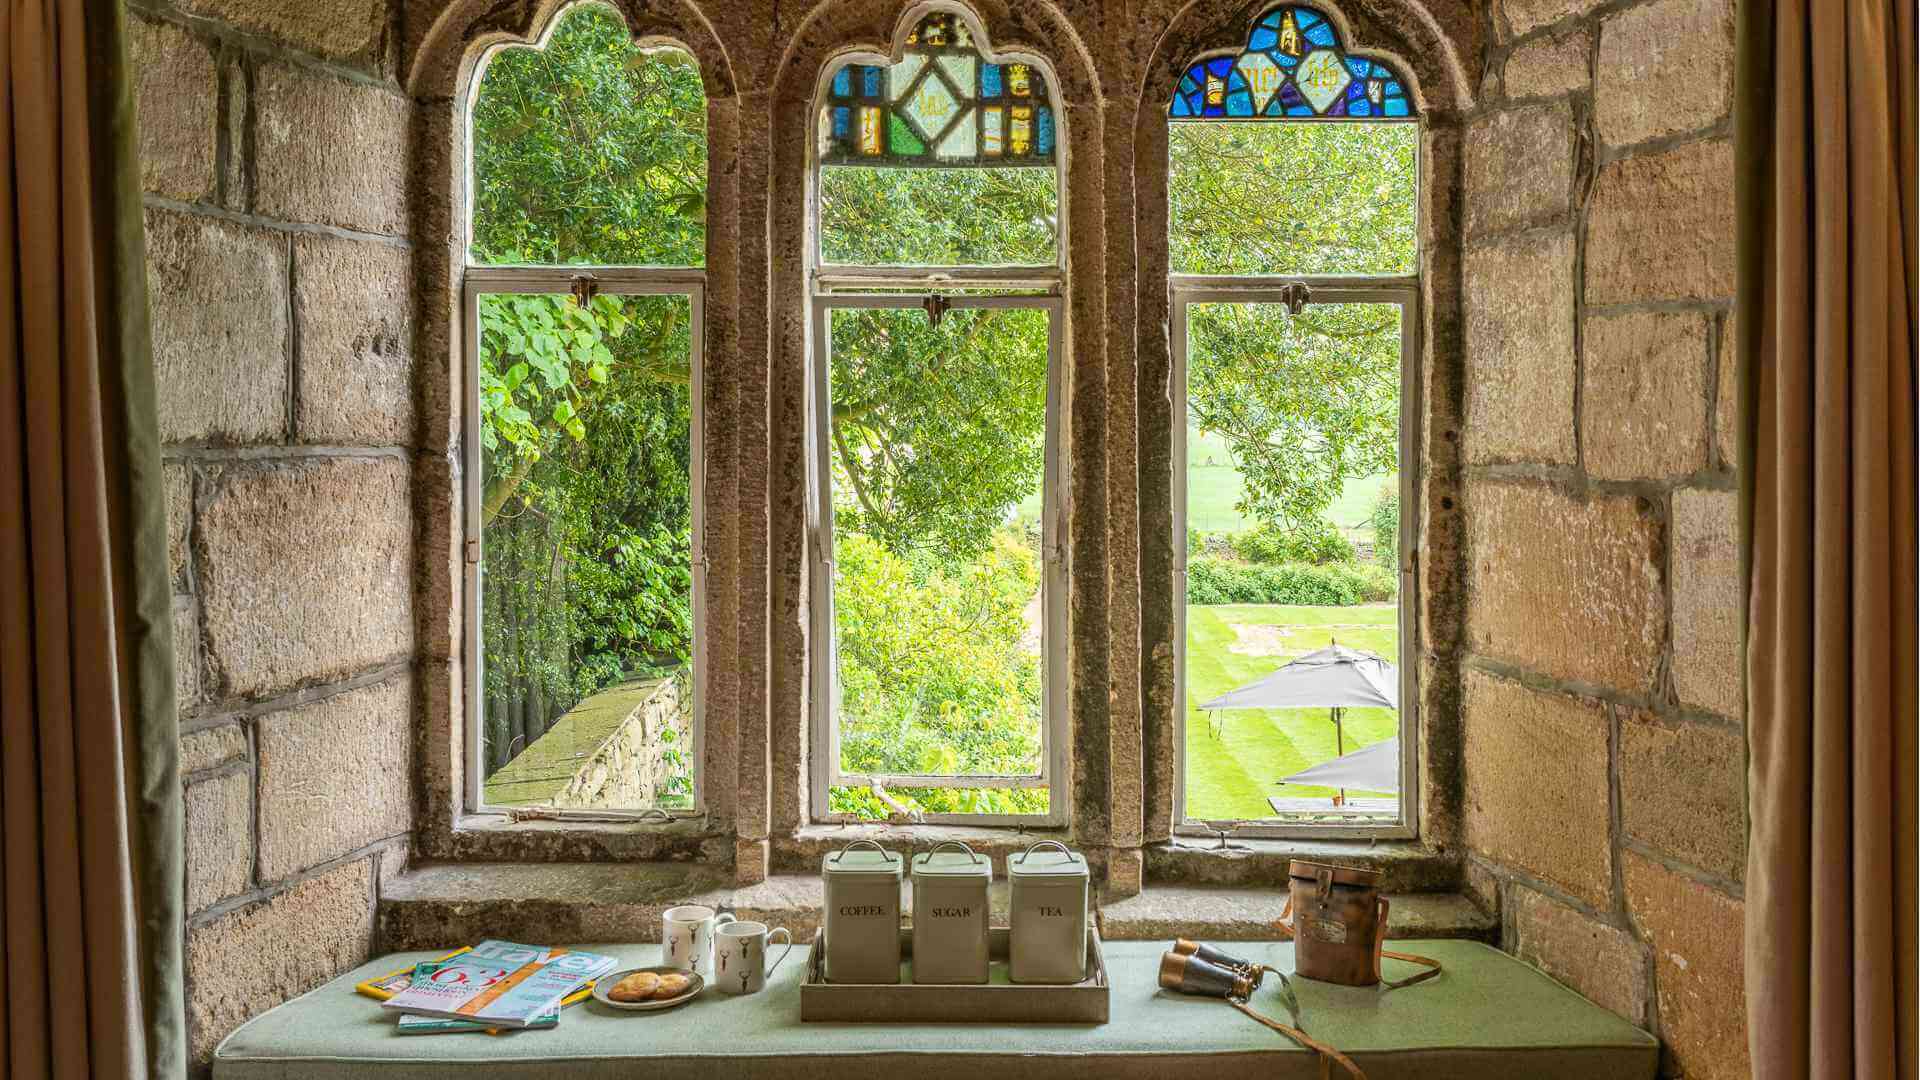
{"x":1488,"y":1016}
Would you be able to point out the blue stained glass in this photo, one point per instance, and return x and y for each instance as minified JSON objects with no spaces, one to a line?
{"x":1286,"y":34}
{"x":871,"y":77}
{"x":990,"y":82}
{"x":843,"y":82}
{"x":1043,"y":130}
{"x":840,"y":121}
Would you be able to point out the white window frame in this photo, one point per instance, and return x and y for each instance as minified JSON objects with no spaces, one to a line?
{"x":1404,"y":291}
{"x":608,"y":281}
{"x":843,"y":286}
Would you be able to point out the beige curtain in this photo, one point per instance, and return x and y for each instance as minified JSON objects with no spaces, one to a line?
{"x":89,"y":805}
{"x":1825,"y":133}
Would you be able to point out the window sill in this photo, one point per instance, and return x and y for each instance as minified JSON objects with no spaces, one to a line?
{"x":435,"y":904}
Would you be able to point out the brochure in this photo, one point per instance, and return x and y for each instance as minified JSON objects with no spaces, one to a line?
{"x":501,"y":984}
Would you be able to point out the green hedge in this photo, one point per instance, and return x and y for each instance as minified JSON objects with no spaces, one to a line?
{"x":1216,"y":581}
{"x":1319,"y":544}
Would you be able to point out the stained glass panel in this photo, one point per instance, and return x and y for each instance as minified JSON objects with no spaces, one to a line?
{"x":1294,"y":67}
{"x":942,"y":104}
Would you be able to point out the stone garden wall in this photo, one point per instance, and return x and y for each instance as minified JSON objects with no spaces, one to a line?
{"x":1604,"y":754}
{"x":274,"y":150}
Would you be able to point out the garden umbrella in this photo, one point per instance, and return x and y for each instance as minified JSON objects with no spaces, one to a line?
{"x":1332,"y":678}
{"x":1371,"y":768}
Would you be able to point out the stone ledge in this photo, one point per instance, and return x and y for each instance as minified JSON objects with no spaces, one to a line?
{"x":442,"y":905}
{"x":1405,"y":866}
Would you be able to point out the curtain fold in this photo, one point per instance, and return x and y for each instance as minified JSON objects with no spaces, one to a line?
{"x":90,"y":817}
{"x":1825,"y":108}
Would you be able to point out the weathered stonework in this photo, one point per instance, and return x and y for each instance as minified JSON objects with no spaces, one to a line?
{"x":174,"y":91}
{"x":334,"y":777}
{"x":218,"y":303}
{"x":212,"y":748}
{"x":1520,"y":165}
{"x":1695,"y":932}
{"x":1726,"y":401}
{"x":350,"y":30}
{"x":1707,"y":666}
{"x":352,"y":314}
{"x":1665,"y":67}
{"x":249,"y":960}
{"x":1660,"y":227}
{"x":330,"y":151}
{"x":1643,"y":408}
{"x":1565,"y":587}
{"x":1603,"y":962}
{"x":219,"y":835}
{"x":1683,"y":791}
{"x":1519,"y":297}
{"x":305,"y":571}
{"x":1551,"y":823}
{"x":186,"y":653}
{"x":179,"y":495}
{"x":1525,"y":15}
{"x":1550,"y":66}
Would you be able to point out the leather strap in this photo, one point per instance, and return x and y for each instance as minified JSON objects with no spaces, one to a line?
{"x":1327,"y":1053}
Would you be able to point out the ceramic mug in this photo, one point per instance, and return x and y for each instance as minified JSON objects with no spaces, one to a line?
{"x":686,"y":937}
{"x":740,"y":956}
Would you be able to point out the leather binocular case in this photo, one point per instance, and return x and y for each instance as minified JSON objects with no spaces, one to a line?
{"x":1339,"y":922}
{"x":1189,"y":974}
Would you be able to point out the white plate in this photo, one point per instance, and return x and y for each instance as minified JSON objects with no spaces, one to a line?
{"x":607,"y":982}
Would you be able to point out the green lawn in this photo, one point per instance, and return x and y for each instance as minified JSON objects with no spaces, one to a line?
{"x":1231,"y":773}
{"x":1213,"y":487}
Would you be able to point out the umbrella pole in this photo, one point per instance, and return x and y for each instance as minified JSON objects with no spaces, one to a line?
{"x":1339,"y":749}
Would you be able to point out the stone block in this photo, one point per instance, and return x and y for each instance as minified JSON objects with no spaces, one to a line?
{"x":219,"y":838}
{"x":1566,"y":587}
{"x":330,"y":151}
{"x":1519,"y":297}
{"x":1643,"y":396}
{"x":1708,"y":669}
{"x":1519,"y":166}
{"x":305,"y":571}
{"x":334,"y":777}
{"x":249,"y":960}
{"x":1660,"y":227}
{"x":352,"y":317}
{"x":1699,"y":967}
{"x":186,"y":653}
{"x":211,"y":748}
{"x":1603,"y":963}
{"x":1683,"y":790}
{"x":1664,"y":68}
{"x":218,"y":301}
{"x":1526,"y":15}
{"x":1550,"y":66}
{"x":350,"y":30}
{"x":176,"y":91}
{"x":179,"y":496}
{"x":1482,"y":887}
{"x":1726,"y":396}
{"x":1550,"y":822}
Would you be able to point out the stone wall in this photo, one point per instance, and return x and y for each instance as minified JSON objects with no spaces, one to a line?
{"x":1604,"y":754}
{"x":273,"y":154}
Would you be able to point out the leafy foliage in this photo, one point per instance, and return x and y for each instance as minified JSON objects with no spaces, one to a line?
{"x":1319,"y":542}
{"x":939,"y":217}
{"x":1218,"y":581}
{"x":1385,"y":520}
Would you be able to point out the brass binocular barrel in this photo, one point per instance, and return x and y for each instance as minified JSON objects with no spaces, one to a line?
{"x":1190,"y":974}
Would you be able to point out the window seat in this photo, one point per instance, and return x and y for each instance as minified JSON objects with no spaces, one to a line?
{"x":1488,"y":1015}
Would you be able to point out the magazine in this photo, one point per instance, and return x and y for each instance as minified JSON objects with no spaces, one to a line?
{"x":393,"y":982}
{"x":501,"y":984}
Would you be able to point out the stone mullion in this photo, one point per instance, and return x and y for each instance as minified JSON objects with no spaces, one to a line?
{"x":720,"y":443}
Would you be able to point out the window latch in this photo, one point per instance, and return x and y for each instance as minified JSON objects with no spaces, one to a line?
{"x":473,"y":552}
{"x":585,"y":288}
{"x":935,"y":306}
{"x":1296,"y":296}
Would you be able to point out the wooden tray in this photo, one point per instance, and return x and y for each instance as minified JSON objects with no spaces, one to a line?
{"x":998,"y":1001}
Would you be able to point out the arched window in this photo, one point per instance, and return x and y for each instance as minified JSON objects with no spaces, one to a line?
{"x":938,"y":586}
{"x":587,"y":196}
{"x":1293,"y":184}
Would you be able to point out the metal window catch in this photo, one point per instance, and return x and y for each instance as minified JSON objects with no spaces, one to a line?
{"x":1296,"y":296}
{"x":935,"y":306}
{"x":585,"y":288}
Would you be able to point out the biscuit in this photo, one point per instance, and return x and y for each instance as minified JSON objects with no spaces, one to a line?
{"x":671,"y":986}
{"x":639,"y":986}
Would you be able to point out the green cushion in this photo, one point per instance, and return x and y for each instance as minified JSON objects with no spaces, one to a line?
{"x":1488,"y":1015}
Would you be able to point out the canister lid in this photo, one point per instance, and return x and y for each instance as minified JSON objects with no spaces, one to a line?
{"x":1341,"y":875}
{"x":963,"y":863}
{"x":1048,"y":858}
{"x":863,"y":857}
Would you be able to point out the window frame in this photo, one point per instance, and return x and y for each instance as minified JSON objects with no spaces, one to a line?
{"x":1185,"y":290}
{"x":559,"y":280}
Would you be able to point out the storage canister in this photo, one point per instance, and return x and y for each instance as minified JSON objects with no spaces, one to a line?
{"x":1048,"y":902}
{"x":950,"y":914}
{"x":862,"y":885}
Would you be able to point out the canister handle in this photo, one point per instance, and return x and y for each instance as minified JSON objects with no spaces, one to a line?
{"x":1037,"y":845}
{"x":961,"y":844}
{"x":874,"y":844}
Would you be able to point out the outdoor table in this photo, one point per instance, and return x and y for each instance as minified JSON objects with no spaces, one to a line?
{"x":1488,"y":1015}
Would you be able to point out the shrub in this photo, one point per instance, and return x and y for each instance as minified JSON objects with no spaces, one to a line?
{"x":1385,"y":519}
{"x":1272,"y":544}
{"x":1216,"y":581}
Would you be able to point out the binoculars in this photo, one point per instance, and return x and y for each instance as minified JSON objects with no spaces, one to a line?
{"x":1192,"y":968}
